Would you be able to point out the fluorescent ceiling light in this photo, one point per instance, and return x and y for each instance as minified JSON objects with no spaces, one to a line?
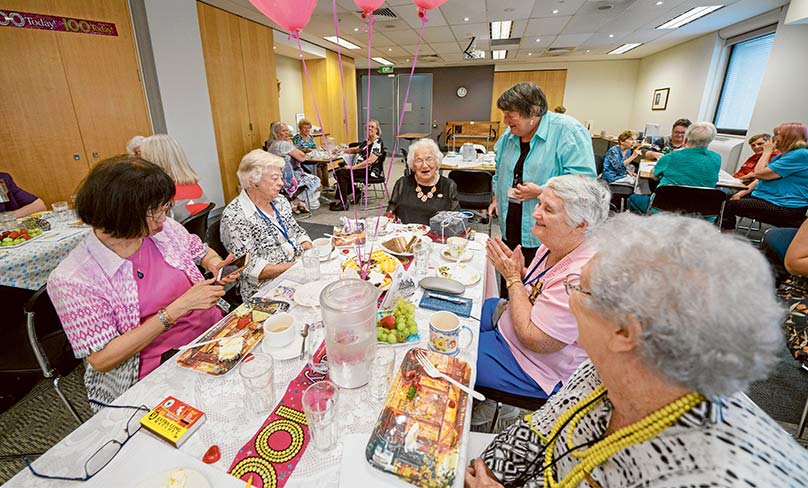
{"x":625,"y":48}
{"x":382,"y":61}
{"x":499,"y":54}
{"x":341,"y":42}
{"x":501,"y":29}
{"x":689,"y":16}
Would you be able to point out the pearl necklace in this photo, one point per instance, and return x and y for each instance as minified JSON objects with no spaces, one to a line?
{"x":646,"y":428}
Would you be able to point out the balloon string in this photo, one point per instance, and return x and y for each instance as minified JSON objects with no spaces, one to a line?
{"x":341,"y":75}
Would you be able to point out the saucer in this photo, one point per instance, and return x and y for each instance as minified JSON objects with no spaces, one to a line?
{"x":328,"y":256}
{"x":308,"y":294}
{"x":459,"y":272}
{"x":289,"y":351}
{"x":467,"y":255}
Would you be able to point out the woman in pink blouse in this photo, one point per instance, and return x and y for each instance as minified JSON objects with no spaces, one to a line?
{"x":131,"y":290}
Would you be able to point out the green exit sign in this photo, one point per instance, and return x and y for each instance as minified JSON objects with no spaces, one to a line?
{"x":383,"y":70}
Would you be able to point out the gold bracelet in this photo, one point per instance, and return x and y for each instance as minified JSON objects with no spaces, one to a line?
{"x":511,"y":282}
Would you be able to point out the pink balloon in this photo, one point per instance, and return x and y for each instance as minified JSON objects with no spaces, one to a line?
{"x":428,"y":4}
{"x":368,"y":6}
{"x":292,"y":15}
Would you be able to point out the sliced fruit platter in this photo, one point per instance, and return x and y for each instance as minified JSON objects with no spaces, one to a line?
{"x":379,"y":268}
{"x":399,"y":327}
{"x":18,"y":237}
{"x":235,"y":335}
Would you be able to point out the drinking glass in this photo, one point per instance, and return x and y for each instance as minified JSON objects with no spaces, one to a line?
{"x":381,"y":371}
{"x":311,"y":265}
{"x":59,"y":208}
{"x":257,"y":374}
{"x":320,"y":406}
{"x":421,"y":252}
{"x":9,"y":220}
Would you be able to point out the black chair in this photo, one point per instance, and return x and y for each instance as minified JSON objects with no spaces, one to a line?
{"x":42,"y":322}
{"x":620,"y":194}
{"x":599,"y":165}
{"x":404,"y":154}
{"x":214,"y":240}
{"x":706,"y":202}
{"x":474,"y":190}
{"x":504,"y":398}
{"x":198,"y":223}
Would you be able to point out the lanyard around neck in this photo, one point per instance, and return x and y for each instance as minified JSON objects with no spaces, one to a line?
{"x":528,"y":280}
{"x":278,"y":225}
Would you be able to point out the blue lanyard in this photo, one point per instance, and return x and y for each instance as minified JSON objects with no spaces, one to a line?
{"x":280,"y":225}
{"x":528,"y":280}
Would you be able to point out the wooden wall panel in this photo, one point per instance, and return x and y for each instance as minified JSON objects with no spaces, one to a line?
{"x":104,"y":79}
{"x":221,"y":46}
{"x":259,"y":74}
{"x":328,"y":92}
{"x":552,"y":83}
{"x":38,"y":126}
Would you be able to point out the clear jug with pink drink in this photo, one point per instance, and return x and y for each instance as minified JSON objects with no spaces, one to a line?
{"x":349,"y":309}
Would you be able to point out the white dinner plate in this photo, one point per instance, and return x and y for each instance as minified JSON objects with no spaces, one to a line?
{"x":193,"y":479}
{"x":467,"y":255}
{"x":308,"y":294}
{"x":289,"y":351}
{"x":423,"y":239}
{"x":460,"y":272}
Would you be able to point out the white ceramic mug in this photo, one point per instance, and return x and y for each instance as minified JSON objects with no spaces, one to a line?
{"x":444,"y":333}
{"x":323,"y":246}
{"x":279,"y":330}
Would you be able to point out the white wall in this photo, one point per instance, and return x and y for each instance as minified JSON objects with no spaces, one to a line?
{"x":782,"y":93}
{"x":177,"y":47}
{"x":289,"y":72}
{"x":687,"y":69}
{"x":600,"y":91}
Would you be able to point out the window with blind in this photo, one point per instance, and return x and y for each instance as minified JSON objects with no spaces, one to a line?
{"x":747,"y":64}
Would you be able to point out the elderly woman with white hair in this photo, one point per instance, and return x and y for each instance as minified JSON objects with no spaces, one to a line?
{"x":695,"y":165}
{"x":259,"y":221}
{"x":302,"y":188}
{"x":529,"y":342}
{"x":164,"y":151}
{"x":660,"y":401}
{"x":417,"y":197}
{"x":133,"y":146}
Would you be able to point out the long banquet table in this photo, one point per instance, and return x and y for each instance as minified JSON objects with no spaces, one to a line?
{"x":228,"y":424}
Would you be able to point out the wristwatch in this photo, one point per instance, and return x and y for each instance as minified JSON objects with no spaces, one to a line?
{"x":166,"y":319}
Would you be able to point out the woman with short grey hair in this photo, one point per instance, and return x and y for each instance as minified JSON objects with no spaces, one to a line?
{"x":303,"y":189}
{"x":660,"y":401}
{"x":529,"y":342}
{"x":424,"y":192}
{"x":700,"y":134}
{"x":259,"y":221}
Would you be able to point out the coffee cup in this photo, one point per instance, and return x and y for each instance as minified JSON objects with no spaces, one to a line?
{"x":444,"y":333}
{"x":323,"y":246}
{"x":456,"y":246}
{"x":279,"y":330}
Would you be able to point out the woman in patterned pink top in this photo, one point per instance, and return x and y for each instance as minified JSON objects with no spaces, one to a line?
{"x":131,"y":290}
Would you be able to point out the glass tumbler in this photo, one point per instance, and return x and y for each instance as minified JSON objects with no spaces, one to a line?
{"x":311,"y":265}
{"x":421,"y":252}
{"x":381,"y":371}
{"x":320,"y":406}
{"x":257,"y":375}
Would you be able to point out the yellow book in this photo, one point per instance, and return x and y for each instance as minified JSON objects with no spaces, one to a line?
{"x":173,"y":421}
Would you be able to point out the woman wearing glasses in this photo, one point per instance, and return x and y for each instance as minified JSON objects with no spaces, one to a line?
{"x":131,"y":290}
{"x":529,"y":342}
{"x":417,"y":197}
{"x":660,"y":401}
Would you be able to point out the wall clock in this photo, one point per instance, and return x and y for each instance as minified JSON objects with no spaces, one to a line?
{"x":462,"y":92}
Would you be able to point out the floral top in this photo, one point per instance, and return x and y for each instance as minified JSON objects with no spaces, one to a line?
{"x":95,"y":295}
{"x":726,"y":442}
{"x":613,"y":168}
{"x":302,"y":143}
{"x":245,"y":230}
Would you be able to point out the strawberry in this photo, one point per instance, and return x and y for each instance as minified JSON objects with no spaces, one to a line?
{"x":388,"y":322}
{"x":14,"y":234}
{"x":242,"y":322}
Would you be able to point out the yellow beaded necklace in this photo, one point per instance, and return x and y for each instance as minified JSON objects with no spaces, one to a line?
{"x":636,"y":433}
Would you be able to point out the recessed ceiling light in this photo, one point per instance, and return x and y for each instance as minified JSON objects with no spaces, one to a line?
{"x":555,"y":12}
{"x":625,"y":48}
{"x":587,"y":50}
{"x":499,"y":54}
{"x":341,"y":42}
{"x":299,"y":55}
{"x":530,"y":54}
{"x":466,"y":19}
{"x":538,"y":40}
{"x":659,"y":3}
{"x":501,"y":29}
{"x":274,"y":47}
{"x":408,"y":60}
{"x":382,"y":61}
{"x":689,"y":16}
{"x":356,"y":29}
{"x":509,"y":9}
{"x":611,"y":35}
{"x":390,"y":49}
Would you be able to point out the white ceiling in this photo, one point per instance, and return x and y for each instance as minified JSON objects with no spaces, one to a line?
{"x":591,"y":28}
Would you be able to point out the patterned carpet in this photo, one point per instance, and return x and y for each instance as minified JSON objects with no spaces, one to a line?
{"x":38,"y":421}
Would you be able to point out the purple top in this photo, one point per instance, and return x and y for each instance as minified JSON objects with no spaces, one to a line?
{"x":162,"y":284}
{"x":12,"y":196}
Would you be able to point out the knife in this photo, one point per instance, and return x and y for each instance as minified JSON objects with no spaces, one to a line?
{"x":304,"y":333}
{"x":445,"y":298}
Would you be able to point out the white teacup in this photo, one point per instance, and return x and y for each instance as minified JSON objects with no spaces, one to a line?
{"x":444,"y":333}
{"x":456,"y":246}
{"x":279,"y":330}
{"x":323,"y":246}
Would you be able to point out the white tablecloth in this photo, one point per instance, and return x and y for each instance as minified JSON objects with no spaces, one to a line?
{"x":228,"y":425}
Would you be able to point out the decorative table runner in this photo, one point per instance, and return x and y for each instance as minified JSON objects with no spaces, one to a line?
{"x":271,"y":455}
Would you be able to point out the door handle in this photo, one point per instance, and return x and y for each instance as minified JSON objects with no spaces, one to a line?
{"x":76,"y":156}
{"x":95,"y":154}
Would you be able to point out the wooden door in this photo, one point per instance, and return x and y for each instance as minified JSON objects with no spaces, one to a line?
{"x":104,"y":77}
{"x":260,"y":78}
{"x":221,"y":46}
{"x":552,"y":83}
{"x":39,"y":131}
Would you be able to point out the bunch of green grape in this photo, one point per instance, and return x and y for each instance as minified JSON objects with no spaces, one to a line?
{"x":405,"y":326}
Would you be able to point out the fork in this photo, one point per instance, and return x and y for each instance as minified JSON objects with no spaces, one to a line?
{"x":433,"y":372}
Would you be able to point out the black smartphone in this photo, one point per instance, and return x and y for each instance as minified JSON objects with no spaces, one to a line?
{"x":236,"y":266}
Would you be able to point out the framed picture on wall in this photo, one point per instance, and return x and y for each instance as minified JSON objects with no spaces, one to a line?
{"x":660,"y":100}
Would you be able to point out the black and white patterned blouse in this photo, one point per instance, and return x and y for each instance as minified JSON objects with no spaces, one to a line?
{"x":725,"y":443}
{"x":244,"y":230}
